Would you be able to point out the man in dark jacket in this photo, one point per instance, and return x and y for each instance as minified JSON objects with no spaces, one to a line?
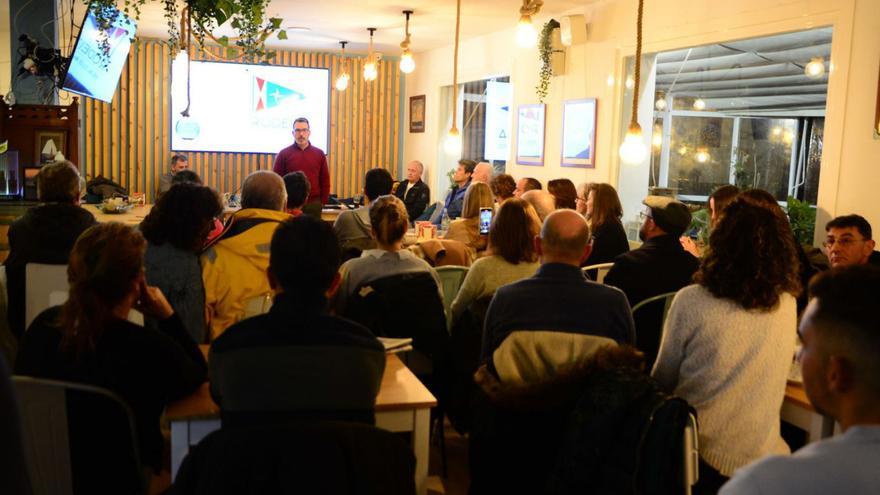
{"x":414,"y":193}
{"x":659,"y":266}
{"x":44,"y":234}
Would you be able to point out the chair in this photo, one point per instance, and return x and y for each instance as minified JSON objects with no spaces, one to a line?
{"x":13,"y":469}
{"x":691,"y":454}
{"x":649,"y":316}
{"x":451,"y":278}
{"x":536,"y":356}
{"x":601,"y":270}
{"x":668,"y":296}
{"x":77,"y":439}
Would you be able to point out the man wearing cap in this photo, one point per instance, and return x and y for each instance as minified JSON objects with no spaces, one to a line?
{"x":659,"y":266}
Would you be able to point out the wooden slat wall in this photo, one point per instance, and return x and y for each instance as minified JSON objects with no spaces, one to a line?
{"x":129,"y":140}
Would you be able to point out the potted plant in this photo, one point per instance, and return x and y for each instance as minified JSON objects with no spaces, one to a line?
{"x":545,"y":51}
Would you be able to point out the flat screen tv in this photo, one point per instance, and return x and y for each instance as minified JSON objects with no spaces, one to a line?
{"x":91,"y":73}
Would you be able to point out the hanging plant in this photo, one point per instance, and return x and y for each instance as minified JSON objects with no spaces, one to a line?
{"x":545,"y":51}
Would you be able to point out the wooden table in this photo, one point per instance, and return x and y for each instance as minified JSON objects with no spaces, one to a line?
{"x":330,"y":214}
{"x":132,"y":217}
{"x":403,"y":405}
{"x":797,"y":410}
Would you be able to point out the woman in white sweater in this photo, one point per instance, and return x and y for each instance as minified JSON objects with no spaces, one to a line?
{"x":729,"y":340}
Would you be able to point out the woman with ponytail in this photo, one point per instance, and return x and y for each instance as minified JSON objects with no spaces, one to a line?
{"x":89,"y":339}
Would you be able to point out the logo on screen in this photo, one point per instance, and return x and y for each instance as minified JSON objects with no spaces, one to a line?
{"x":269,"y":94}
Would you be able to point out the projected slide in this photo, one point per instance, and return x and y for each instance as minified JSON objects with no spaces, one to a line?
{"x":247,"y":108}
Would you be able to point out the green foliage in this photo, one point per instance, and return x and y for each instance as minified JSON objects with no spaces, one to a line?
{"x":802,"y":217}
{"x":545,"y":50}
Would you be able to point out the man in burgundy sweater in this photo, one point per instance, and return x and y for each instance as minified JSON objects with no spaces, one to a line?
{"x":302,"y":156}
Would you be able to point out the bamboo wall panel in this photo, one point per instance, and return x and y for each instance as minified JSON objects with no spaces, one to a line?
{"x":129,"y":139}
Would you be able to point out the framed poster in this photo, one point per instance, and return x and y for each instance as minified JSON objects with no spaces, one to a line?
{"x":579,"y":133}
{"x":417,"y":113}
{"x":530,"y":134}
{"x":877,"y":112}
{"x":48,"y":143}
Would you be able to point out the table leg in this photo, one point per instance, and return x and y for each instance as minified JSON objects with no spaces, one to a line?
{"x":421,"y":435}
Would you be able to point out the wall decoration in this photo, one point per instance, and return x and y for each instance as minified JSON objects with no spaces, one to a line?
{"x":579,"y":133}
{"x":47,"y":144}
{"x":530,"y":134}
{"x":877,"y":112}
{"x":417,"y":113}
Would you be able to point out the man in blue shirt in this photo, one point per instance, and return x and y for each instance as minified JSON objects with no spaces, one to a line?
{"x":455,"y":198}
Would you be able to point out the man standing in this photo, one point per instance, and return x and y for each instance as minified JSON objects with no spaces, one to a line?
{"x":659,"y":266}
{"x":413,"y":192}
{"x":178,"y":164}
{"x":848,"y":242}
{"x":455,"y":198}
{"x":302,"y":156}
{"x":840,"y":358}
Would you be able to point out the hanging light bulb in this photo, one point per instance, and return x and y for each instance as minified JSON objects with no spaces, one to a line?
{"x":452,"y":144}
{"x":633,"y":150}
{"x":526,"y":36}
{"x":699,"y":104}
{"x":702,"y":156}
{"x":342,"y":80}
{"x":660,"y":104}
{"x":629,"y":83}
{"x":815,"y":69}
{"x":657,"y":139}
{"x":407,"y":64}
{"x":370,"y":70}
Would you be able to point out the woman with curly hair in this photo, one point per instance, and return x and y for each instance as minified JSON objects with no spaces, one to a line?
{"x":564,"y":193}
{"x":503,"y":187}
{"x":729,"y":339}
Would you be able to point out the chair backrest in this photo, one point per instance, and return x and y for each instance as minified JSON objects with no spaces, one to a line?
{"x":667,"y":301}
{"x":77,"y":438}
{"x":531,"y":356}
{"x":451,"y":277}
{"x":46,"y":286}
{"x":691,"y":454}
{"x":601,"y":270}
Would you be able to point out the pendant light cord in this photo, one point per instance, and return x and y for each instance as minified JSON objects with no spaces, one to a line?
{"x":638,"y":64}
{"x":455,"y":66}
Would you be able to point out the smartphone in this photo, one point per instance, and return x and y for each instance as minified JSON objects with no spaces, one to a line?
{"x":485,"y":220}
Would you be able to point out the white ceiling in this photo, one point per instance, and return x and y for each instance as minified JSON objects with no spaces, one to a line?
{"x":330,"y":21}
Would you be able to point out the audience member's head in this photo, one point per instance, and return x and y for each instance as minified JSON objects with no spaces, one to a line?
{"x":542,"y":201}
{"x":304,"y":259}
{"x":753,"y":258}
{"x":478,"y":195}
{"x":719,"y":199}
{"x":503,"y":186}
{"x":583,"y":192}
{"x":565,"y":238}
{"x":264,"y":189}
{"x":564,"y":192}
{"x":848,"y":240}
{"x":388,"y":221}
{"x":59,"y":182}
{"x":482,"y":172}
{"x":603,"y":205}
{"x":183,"y":217}
{"x":513,"y":231}
{"x":664,"y":215}
{"x":105,"y":272}
{"x":840,"y":331}
{"x":377,"y":182}
{"x":186,"y":176}
{"x":463,"y":172}
{"x":298,"y":187}
{"x":526,"y":184}
{"x":414,"y":171}
{"x":179,"y":163}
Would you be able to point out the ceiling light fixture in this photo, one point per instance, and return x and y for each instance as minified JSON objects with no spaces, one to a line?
{"x":453,"y":138}
{"x":633,"y":150}
{"x":526,"y":35}
{"x":660,"y":104}
{"x":342,"y":80}
{"x":699,"y":104}
{"x":407,"y":64}
{"x":370,"y":70}
{"x":815,"y":69}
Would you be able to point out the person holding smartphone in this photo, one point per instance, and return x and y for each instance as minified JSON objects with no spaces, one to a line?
{"x":467,"y":229}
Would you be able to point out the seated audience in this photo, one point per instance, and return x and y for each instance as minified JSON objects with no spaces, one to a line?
{"x":44,"y":234}
{"x":542,"y":201}
{"x":175,"y":230}
{"x":414,"y":193}
{"x":389,"y":223}
{"x":559,"y":297}
{"x":841,"y":369}
{"x":483,"y":172}
{"x":512,"y":254}
{"x":89,"y":340}
{"x":298,"y":187}
{"x":727,"y":343}
{"x":503,"y":186}
{"x":234,"y":266}
{"x":455,"y":198}
{"x":526,"y":184}
{"x":467,"y":228}
{"x":659,"y":266}
{"x":848,"y":242}
{"x":315,"y":365}
{"x":718,"y":200}
{"x":583,"y":192}
{"x":604,"y":212}
{"x":352,"y":227}
{"x":179,"y":163}
{"x":563,"y":192}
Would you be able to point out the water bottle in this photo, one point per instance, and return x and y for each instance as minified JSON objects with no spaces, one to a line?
{"x":444,"y":221}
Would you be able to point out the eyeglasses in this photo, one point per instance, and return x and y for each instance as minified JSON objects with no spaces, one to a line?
{"x":643,"y":216}
{"x":301,"y":130}
{"x":844,"y":242}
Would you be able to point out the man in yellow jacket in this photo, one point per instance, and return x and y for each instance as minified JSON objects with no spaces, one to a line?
{"x":234,"y":266}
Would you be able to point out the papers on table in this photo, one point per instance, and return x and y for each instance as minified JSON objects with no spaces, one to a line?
{"x":393,"y":346}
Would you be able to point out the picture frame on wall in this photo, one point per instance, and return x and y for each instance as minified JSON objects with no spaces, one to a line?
{"x":417,"y":113}
{"x":530,"y":127}
{"x":47,"y":144}
{"x":877,"y":111}
{"x":579,"y":133}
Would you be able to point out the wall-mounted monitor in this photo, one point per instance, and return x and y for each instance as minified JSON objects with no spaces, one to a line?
{"x":92,"y":71}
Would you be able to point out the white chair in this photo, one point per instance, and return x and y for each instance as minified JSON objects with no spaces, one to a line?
{"x":691,"y":454}
{"x":602,"y":269}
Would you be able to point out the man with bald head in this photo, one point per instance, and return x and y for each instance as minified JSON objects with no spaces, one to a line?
{"x":542,"y":201}
{"x":414,"y":193}
{"x":482,"y":173}
{"x":559,"y":297}
{"x":234,"y":266}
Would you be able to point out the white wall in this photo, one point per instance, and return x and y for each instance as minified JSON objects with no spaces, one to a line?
{"x":850,"y":176}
